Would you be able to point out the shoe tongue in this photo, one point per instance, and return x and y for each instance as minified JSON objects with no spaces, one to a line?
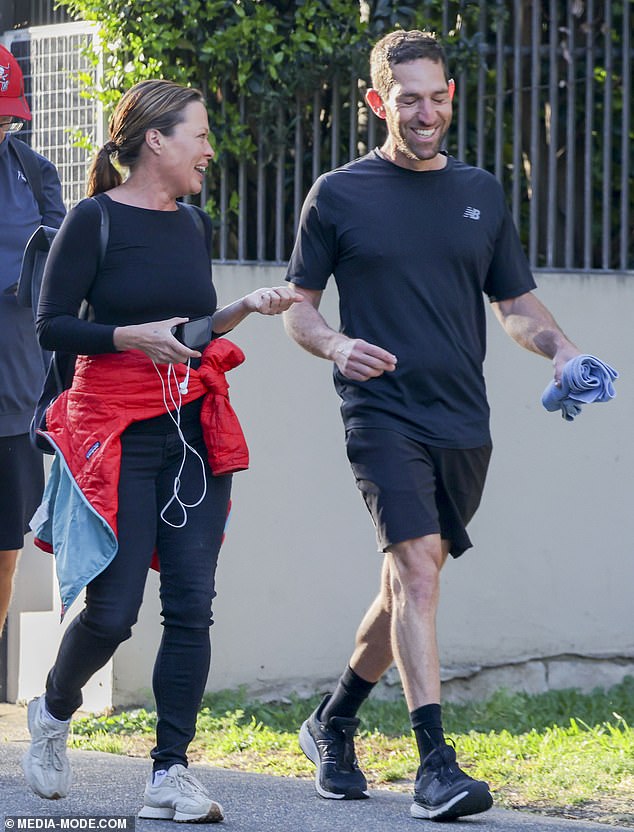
{"x":347,"y":725}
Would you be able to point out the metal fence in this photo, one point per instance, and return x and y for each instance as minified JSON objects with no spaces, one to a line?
{"x":543,"y":100}
{"x":66,"y":122}
{"x":20,"y":14}
{"x":544,"y":93}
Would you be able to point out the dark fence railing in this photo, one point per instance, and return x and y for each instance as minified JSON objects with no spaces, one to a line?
{"x":543,"y":101}
{"x":19,"y":14}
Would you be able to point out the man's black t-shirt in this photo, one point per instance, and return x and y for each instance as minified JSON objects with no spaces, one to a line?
{"x":412,"y":254}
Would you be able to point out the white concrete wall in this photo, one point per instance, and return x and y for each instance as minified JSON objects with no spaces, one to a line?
{"x":551,"y":572}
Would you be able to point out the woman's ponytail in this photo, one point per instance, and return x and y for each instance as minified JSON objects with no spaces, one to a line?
{"x":103,"y":175}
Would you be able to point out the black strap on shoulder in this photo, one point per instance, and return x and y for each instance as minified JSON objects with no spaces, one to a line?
{"x":31,"y":169}
{"x":104,"y":231}
{"x":86,"y":310}
{"x":197,"y":219}
{"x":34,"y":260}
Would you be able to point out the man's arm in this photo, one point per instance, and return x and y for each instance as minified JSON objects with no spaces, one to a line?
{"x":355,"y":358}
{"x":531,"y":325}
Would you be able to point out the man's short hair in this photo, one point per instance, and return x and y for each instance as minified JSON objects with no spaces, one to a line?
{"x":401,"y":47}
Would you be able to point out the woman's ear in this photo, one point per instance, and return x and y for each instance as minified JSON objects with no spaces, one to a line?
{"x":451,"y":85}
{"x":154,"y":140}
{"x":375,"y":103}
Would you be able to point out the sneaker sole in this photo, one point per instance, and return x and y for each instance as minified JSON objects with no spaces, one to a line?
{"x":214,"y":815}
{"x":308,"y":746}
{"x":464,"y":803}
{"x":57,"y":794}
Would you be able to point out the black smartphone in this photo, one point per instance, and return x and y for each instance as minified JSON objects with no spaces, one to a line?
{"x":195,"y":334}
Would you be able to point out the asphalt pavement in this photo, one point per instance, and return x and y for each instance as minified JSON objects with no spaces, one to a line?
{"x":108,"y":785}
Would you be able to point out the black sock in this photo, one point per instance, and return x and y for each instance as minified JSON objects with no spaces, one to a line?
{"x":350,"y":693}
{"x":427,"y":726}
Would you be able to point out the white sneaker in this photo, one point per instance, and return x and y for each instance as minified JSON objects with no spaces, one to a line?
{"x":179,"y":796}
{"x":45,"y":764}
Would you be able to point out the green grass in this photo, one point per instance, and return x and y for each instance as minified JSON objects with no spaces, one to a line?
{"x":564,"y":753}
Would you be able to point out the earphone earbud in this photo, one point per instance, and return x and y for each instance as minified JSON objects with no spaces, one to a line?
{"x":184,"y":385}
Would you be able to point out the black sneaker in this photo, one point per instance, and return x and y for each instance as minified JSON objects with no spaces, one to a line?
{"x":330,"y":746}
{"x":443,"y":791}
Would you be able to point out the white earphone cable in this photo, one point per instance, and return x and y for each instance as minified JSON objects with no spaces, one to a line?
{"x":181,"y":389}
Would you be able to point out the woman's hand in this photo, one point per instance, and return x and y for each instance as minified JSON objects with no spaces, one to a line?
{"x":273,"y":300}
{"x":156,"y":340}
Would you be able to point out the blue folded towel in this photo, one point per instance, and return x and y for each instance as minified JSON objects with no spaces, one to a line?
{"x":584,"y":379}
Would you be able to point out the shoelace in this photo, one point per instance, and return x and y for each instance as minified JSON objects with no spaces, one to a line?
{"x":447,"y":773}
{"x":339,"y":747}
{"x":187,"y":783}
{"x":54,"y":746}
{"x":348,"y":757}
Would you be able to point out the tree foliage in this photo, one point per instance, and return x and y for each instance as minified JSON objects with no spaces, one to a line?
{"x":256,"y":62}
{"x":260,"y":64}
{"x":272,"y":52}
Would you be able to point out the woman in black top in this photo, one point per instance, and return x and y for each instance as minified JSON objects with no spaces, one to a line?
{"x":155,"y":276}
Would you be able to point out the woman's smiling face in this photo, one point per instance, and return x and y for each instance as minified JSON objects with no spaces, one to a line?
{"x":187,"y":151}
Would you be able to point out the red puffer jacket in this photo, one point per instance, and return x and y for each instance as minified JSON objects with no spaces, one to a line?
{"x":111,"y":391}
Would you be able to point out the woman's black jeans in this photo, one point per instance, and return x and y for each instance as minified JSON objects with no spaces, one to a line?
{"x":150,"y":462}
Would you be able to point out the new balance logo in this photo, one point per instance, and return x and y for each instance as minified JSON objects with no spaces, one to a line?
{"x":471,"y":213}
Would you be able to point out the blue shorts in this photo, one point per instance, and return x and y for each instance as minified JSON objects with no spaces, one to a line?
{"x":412,"y":489}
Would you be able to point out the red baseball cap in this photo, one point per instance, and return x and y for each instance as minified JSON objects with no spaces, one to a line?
{"x":12,"y":100}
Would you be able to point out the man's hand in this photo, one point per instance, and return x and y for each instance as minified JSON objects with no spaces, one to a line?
{"x":360,"y":361}
{"x":562,"y":357}
{"x":355,"y":358}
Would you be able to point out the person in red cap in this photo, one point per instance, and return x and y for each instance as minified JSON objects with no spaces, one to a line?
{"x":30,"y":195}
{"x":12,"y":99}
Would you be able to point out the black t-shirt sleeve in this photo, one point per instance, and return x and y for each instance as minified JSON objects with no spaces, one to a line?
{"x":509,"y":274}
{"x":71,"y":268}
{"x":314,"y":254}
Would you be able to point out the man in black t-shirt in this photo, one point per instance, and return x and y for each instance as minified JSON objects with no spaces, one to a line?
{"x":414,"y":239}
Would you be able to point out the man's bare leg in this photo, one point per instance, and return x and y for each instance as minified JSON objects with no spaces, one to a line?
{"x":400,"y":624}
{"x":442,"y":791}
{"x":373,"y":645}
{"x":8,"y":563}
{"x":414,"y":571}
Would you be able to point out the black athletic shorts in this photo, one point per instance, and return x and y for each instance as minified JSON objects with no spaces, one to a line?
{"x":412,"y":489}
{"x":21,"y":488}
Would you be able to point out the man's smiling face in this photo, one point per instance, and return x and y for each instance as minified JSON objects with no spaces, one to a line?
{"x":418,"y":113}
